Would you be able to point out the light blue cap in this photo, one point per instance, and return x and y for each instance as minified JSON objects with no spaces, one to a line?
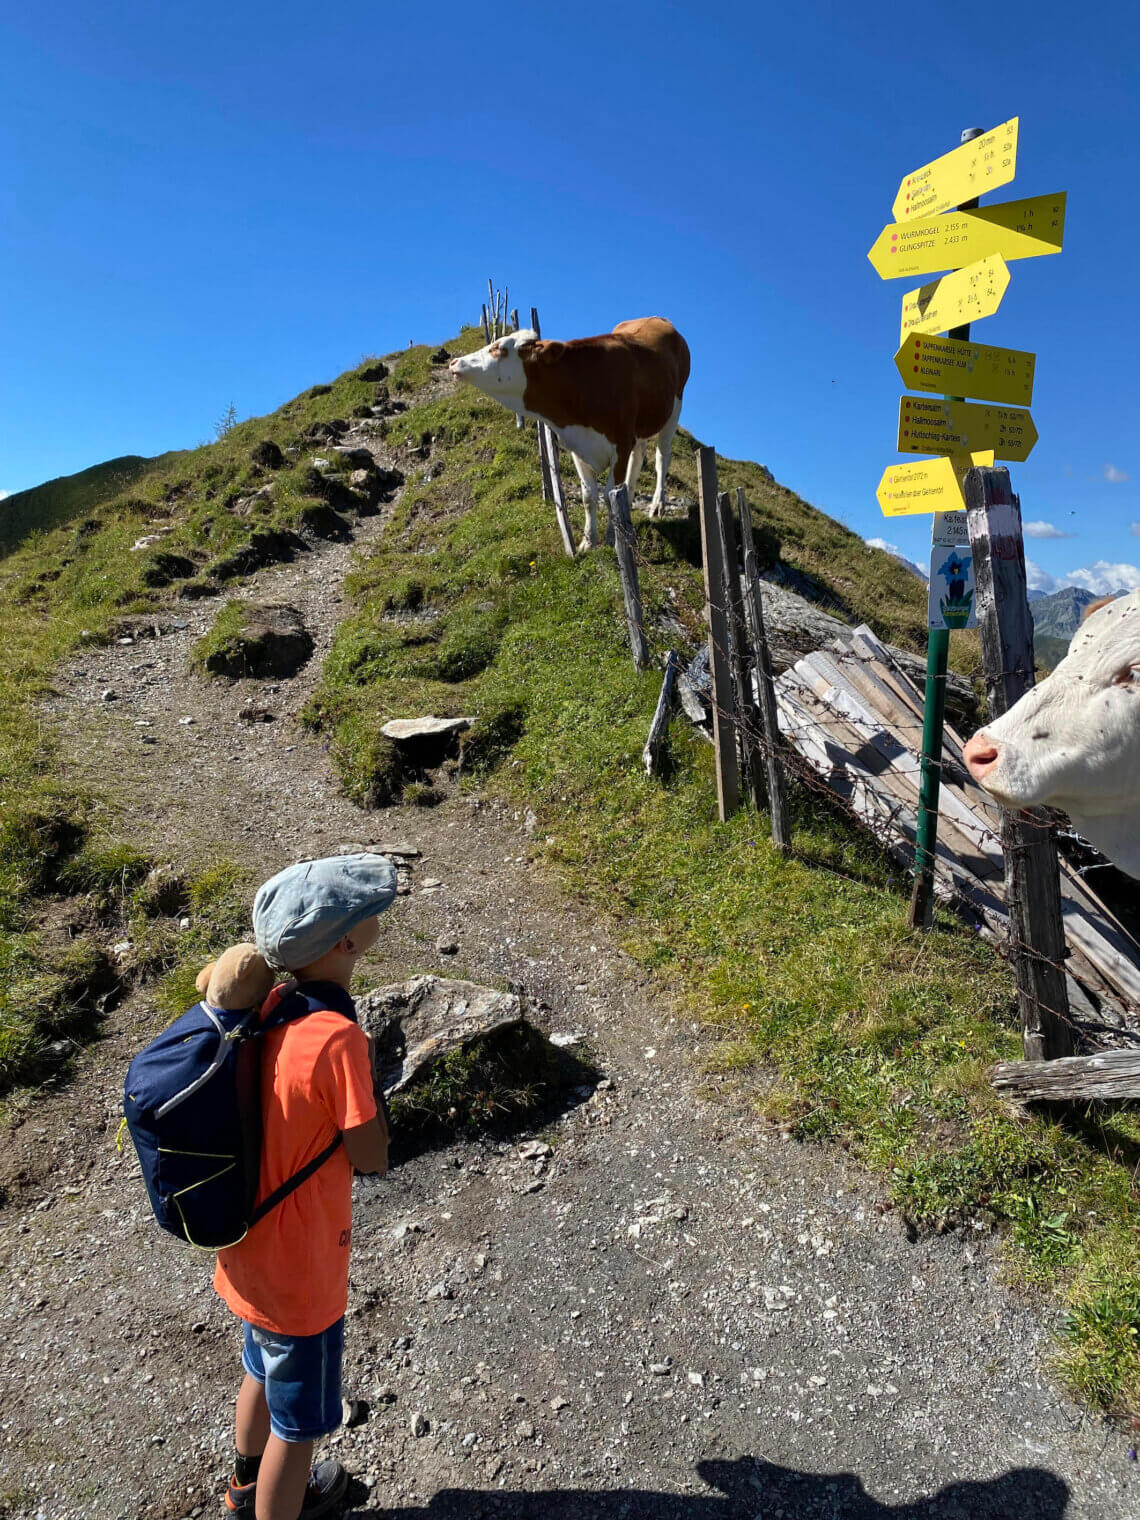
{"x":302,"y":912}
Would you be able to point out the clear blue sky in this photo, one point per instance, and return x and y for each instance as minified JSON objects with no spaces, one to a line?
{"x":204,"y":204}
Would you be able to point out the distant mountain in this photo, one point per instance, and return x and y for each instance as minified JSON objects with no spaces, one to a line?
{"x":1058,"y":616}
{"x":68,"y":496}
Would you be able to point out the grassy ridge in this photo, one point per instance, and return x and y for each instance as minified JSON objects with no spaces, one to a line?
{"x":69,"y":496}
{"x":72,"y":584}
{"x":880,"y":1037}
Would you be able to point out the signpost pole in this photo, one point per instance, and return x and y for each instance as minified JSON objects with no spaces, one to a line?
{"x":933,"y":720}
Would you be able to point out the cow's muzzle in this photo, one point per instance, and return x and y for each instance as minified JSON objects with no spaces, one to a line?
{"x":981,"y":756}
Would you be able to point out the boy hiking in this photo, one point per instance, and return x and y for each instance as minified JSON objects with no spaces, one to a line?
{"x":287,"y":1278}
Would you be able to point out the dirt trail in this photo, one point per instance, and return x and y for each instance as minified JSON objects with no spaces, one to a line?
{"x":673,"y":1313}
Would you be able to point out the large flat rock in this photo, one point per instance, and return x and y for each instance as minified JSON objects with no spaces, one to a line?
{"x":417,"y":730}
{"x":418,"y":1022}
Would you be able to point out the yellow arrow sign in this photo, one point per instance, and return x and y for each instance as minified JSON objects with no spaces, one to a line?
{"x":1015,"y":229}
{"x":966,"y":295}
{"x":932,"y":485}
{"x":940,"y":427}
{"x":977,"y":167}
{"x":966,"y":369}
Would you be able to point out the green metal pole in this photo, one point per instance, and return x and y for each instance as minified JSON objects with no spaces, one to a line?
{"x":933,"y":721}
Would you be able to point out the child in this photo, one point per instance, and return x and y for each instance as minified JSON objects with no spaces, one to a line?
{"x":287,"y":1279}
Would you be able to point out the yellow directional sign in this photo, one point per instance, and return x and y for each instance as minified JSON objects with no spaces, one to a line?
{"x":1015,"y":229}
{"x":930,"y":485}
{"x":966,"y":369}
{"x":966,"y":295}
{"x":939,"y":427}
{"x":977,"y":167}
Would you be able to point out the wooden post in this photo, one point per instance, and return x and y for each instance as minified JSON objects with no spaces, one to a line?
{"x":727,"y":776}
{"x":515,"y":320}
{"x":491,"y":306}
{"x":749,"y":757}
{"x":557,"y":492}
{"x":1110,"y":1075}
{"x":651,"y":754}
{"x":1033,"y":889}
{"x":486,"y":324}
{"x":551,"y":474}
{"x":777,"y":800}
{"x":624,"y":547}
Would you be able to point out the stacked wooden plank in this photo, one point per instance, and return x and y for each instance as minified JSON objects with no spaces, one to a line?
{"x":856,"y":719}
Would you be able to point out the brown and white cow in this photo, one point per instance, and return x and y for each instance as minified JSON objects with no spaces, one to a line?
{"x":604,"y":397}
{"x":1073,"y":741}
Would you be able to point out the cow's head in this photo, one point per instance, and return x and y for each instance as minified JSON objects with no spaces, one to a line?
{"x":498,"y":369}
{"x":1073,"y":742}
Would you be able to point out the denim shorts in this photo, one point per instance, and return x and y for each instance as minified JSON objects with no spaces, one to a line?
{"x":301,"y":1378}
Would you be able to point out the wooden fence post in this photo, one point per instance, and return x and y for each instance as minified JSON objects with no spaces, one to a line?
{"x":486,"y":324}
{"x":727,"y":776}
{"x":749,"y":757}
{"x":777,"y":800}
{"x":1037,"y":934}
{"x":515,"y":319}
{"x":651,"y":754}
{"x":551,"y":474}
{"x":624,"y":545}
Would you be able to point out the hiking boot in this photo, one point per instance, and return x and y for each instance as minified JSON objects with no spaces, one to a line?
{"x":241,"y":1498}
{"x":328,"y":1483}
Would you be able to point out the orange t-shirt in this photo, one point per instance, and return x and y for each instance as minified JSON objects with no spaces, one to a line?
{"x":290,"y":1272}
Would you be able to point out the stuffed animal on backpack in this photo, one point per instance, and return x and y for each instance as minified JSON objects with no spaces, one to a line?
{"x":239,"y":978}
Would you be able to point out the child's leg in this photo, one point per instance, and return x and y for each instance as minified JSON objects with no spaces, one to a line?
{"x":251,"y":1422}
{"x":282,"y":1479}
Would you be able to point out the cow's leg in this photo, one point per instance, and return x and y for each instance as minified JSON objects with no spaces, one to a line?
{"x":664,"y":452}
{"x":636,"y":460}
{"x":589,"y":480}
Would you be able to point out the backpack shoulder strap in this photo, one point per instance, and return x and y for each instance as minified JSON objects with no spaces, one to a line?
{"x":291,"y":1184}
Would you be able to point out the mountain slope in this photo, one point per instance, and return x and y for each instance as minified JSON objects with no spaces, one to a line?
{"x":849,"y":1025}
{"x":1058,"y":615}
{"x":63,"y":499}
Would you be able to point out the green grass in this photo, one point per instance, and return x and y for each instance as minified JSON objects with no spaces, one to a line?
{"x":846,"y":1025}
{"x":69,"y":496}
{"x":878,"y":1038}
{"x":73,"y":580}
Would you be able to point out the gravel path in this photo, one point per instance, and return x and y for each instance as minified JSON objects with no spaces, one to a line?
{"x":655,"y":1307}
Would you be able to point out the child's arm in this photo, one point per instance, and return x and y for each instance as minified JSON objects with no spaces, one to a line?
{"x":367,"y":1147}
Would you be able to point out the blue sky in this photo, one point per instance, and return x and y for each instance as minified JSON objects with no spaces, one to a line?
{"x":205,"y":204}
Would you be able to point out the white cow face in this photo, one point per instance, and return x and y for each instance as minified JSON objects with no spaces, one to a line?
{"x":1073,"y":742}
{"x":497,"y":370}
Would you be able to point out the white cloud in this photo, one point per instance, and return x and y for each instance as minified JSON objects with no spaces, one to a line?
{"x":1114,"y":476}
{"x":1039,"y":580}
{"x":1102,"y":577}
{"x":4,"y":494}
{"x":1043,"y":530}
{"x":881,"y":543}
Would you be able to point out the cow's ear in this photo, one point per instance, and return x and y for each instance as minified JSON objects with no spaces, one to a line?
{"x":529,"y":347}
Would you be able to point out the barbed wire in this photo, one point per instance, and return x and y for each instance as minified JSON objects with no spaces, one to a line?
{"x":858,"y":731}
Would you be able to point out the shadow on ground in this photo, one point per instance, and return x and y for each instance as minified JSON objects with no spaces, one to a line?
{"x":751,"y":1488}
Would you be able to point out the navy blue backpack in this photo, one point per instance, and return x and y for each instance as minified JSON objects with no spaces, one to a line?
{"x":192,"y":1101}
